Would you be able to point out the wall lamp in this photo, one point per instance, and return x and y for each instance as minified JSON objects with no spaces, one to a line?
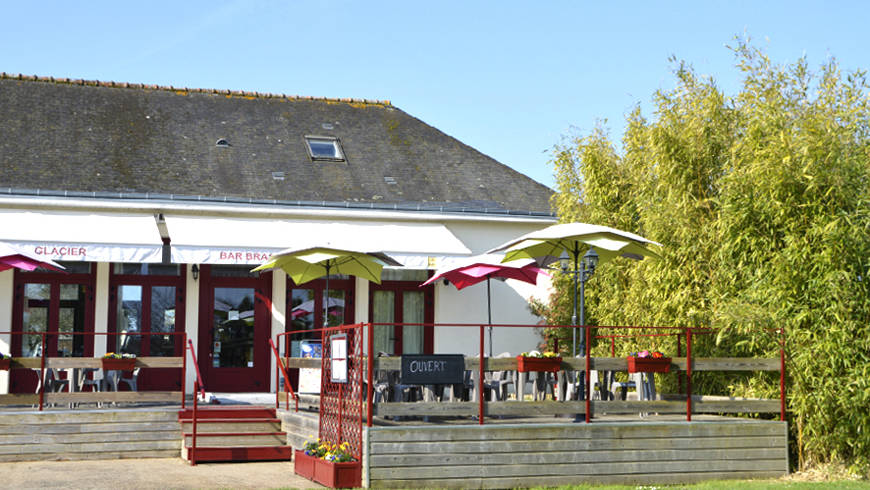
{"x":195,"y":271}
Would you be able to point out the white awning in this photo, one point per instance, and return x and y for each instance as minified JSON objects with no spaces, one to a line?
{"x":209,"y":240}
{"x":105,"y":237}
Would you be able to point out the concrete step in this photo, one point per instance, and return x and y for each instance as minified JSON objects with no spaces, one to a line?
{"x":301,"y":427}
{"x":237,"y":440}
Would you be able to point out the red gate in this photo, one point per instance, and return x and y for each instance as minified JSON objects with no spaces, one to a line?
{"x":341,"y":402}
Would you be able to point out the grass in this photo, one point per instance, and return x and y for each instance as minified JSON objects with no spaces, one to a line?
{"x":732,"y":484}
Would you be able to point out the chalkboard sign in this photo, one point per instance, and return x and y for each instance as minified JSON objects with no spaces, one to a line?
{"x":433,"y":369}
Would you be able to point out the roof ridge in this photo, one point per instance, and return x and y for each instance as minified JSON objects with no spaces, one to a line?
{"x":171,"y":88}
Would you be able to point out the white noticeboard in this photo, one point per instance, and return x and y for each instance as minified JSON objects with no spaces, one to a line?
{"x":309,"y":379}
{"x":338,"y":358}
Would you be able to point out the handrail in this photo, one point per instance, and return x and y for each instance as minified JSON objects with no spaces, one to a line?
{"x":199,"y":385}
{"x":193,"y":425}
{"x":287,"y":388}
{"x":72,"y":362}
{"x":688,"y":366}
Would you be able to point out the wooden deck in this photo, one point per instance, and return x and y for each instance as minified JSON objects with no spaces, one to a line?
{"x":533,"y":452}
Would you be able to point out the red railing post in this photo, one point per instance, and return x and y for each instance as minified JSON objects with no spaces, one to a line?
{"x":278,"y":383}
{"x":193,"y":426}
{"x":370,"y":364}
{"x":184,"y":368}
{"x":588,"y":366}
{"x":782,"y":373}
{"x":279,"y":365}
{"x":688,"y":374}
{"x":480,"y":381}
{"x":42,"y":375}
{"x":679,"y":353}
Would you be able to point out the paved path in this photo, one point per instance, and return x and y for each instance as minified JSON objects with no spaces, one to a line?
{"x":167,"y":473}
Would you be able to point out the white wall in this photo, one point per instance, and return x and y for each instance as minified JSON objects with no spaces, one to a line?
{"x":6,"y":298}
{"x":279,"y":321}
{"x":509,"y":298}
{"x":191,"y":326}
{"x":101,"y":310}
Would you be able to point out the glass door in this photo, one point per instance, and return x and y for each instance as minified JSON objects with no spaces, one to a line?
{"x":147,"y":299}
{"x":309,"y":309}
{"x":401,"y":301}
{"x":234,"y":330}
{"x":59,"y":305}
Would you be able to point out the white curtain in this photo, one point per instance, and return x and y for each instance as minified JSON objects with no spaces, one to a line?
{"x":383,"y":311}
{"x":412,"y":312}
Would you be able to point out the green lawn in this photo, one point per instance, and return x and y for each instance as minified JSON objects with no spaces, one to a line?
{"x":732,"y":484}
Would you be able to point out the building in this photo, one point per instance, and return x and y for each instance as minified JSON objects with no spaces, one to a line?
{"x":159,"y":201}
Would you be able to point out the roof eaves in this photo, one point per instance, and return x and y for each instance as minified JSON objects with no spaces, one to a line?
{"x":416,"y":207}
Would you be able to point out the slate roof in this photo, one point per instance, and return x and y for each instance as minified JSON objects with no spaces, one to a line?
{"x":104,"y":137}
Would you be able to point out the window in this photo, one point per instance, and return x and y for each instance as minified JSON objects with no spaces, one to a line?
{"x":324,"y":148}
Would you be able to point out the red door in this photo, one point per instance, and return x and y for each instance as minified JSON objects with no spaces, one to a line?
{"x":146,"y":307}
{"x":402,"y":302}
{"x":234,"y":328}
{"x":59,"y":304}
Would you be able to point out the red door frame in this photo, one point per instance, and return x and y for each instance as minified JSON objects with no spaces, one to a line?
{"x":154,"y":378}
{"x":24,"y":381}
{"x":254,"y":379}
{"x":428,"y":310}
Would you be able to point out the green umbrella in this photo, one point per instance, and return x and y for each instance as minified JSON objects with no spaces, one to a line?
{"x":309,"y":263}
{"x":572,"y":240}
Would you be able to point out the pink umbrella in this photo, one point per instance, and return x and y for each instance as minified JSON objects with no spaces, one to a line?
{"x":14,"y":257}
{"x":483,"y":267}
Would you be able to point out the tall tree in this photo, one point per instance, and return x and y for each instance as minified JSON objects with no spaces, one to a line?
{"x":762,"y":202}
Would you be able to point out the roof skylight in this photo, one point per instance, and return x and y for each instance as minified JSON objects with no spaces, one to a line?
{"x":324,"y":148}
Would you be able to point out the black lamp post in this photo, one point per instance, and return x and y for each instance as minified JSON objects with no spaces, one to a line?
{"x":583,"y":270}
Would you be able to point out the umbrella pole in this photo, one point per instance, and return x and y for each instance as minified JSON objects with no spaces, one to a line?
{"x":326,"y":299}
{"x":574,"y":316}
{"x":489,"y":313}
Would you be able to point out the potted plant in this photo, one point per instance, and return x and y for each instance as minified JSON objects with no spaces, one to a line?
{"x":5,"y":360}
{"x":648,"y":362}
{"x":329,"y":464}
{"x":535,"y":361}
{"x":119,"y":362}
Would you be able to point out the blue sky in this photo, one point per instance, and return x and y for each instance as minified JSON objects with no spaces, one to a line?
{"x":509,"y":78}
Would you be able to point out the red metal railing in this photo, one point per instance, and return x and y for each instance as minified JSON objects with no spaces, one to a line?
{"x":679,"y":332}
{"x":281,"y":370}
{"x":199,"y":385}
{"x":43,"y":356}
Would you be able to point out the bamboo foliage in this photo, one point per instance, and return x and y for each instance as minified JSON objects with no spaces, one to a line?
{"x":762,"y":202}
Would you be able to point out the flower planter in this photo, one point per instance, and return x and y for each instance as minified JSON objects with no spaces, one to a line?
{"x":327,"y":473}
{"x":124,"y":364}
{"x":648,"y":364}
{"x":4,"y":364}
{"x":338,"y":475}
{"x":303,"y":464}
{"x":526,"y":364}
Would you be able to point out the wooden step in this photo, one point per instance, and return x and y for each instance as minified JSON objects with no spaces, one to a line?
{"x":89,"y":434}
{"x":227,"y":411}
{"x":216,"y":454}
{"x":232,"y":425}
{"x":238,"y":440}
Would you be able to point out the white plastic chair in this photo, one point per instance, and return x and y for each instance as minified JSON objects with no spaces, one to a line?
{"x":95,"y":381}
{"x":115,"y":378}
